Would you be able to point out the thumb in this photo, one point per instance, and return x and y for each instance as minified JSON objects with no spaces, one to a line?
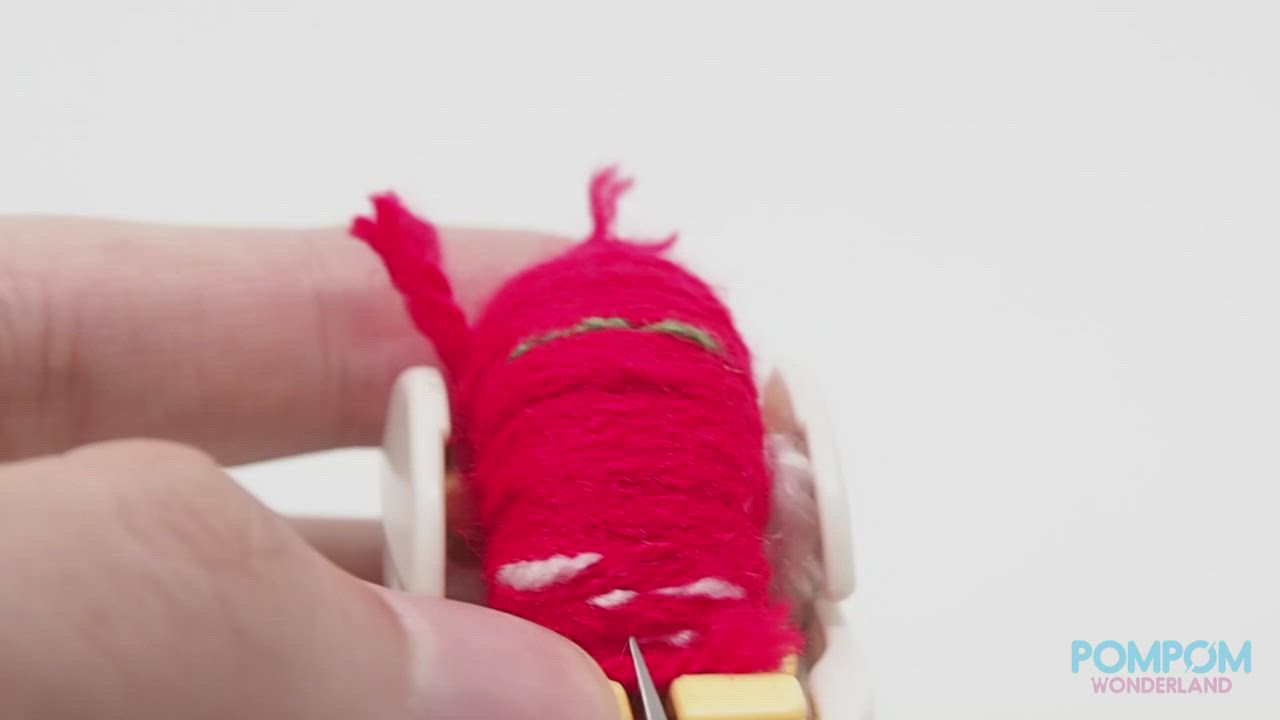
{"x":164,"y":590}
{"x":469,"y":662}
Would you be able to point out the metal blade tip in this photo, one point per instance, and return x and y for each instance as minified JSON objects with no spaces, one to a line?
{"x":649,"y":698}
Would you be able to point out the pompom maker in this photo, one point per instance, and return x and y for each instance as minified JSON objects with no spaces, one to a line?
{"x":829,"y":682}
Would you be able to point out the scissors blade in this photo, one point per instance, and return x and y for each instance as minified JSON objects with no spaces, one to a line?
{"x":649,"y":698}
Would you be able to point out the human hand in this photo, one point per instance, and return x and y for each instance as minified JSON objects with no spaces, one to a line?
{"x":139,"y":580}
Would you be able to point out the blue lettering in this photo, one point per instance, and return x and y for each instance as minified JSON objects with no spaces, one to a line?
{"x":1109,"y":667}
{"x":1172,"y":651}
{"x":1080,"y":651}
{"x":1243,"y":658}
{"x":1204,"y":667}
{"x":1138,"y":662}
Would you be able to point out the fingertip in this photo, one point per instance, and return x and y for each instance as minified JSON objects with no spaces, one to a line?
{"x":468,"y":661}
{"x":478,"y":261}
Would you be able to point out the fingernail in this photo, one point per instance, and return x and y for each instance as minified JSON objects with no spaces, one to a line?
{"x":469,"y":662}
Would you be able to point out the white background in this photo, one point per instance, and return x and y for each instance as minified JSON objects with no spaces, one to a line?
{"x":1028,"y":249}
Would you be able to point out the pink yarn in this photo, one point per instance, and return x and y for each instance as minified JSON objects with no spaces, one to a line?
{"x":609,"y":432}
{"x":410,"y":249}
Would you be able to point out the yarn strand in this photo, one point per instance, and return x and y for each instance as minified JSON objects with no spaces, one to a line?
{"x":410,"y":250}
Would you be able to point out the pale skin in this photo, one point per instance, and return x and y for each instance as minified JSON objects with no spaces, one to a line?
{"x":139,"y":581}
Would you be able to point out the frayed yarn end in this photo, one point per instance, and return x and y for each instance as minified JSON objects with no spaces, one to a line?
{"x":400,"y":238}
{"x":607,"y":187}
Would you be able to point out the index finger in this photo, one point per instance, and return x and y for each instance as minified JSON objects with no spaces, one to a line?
{"x":247,"y":343}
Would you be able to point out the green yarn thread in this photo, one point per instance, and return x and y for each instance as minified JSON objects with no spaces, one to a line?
{"x":675,"y":328}
{"x":686,"y":331}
